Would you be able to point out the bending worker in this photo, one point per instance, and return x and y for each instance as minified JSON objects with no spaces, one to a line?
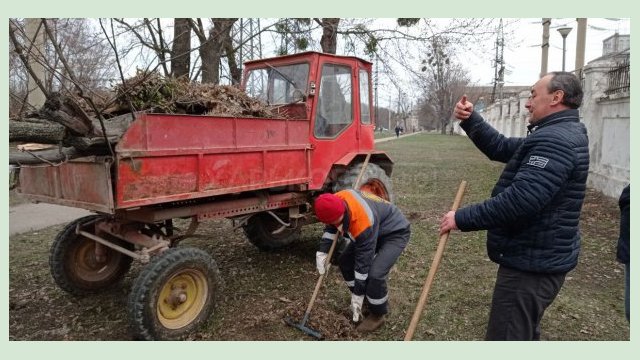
{"x":376,"y":233}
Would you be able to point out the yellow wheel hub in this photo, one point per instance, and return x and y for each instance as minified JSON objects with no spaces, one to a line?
{"x":182,"y":298}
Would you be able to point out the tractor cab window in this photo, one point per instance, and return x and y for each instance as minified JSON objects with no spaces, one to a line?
{"x":277,"y":85}
{"x":334,"y":109}
{"x":365,"y":96}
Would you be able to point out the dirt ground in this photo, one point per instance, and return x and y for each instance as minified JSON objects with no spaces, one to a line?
{"x":263,"y":288}
{"x":250,"y":309}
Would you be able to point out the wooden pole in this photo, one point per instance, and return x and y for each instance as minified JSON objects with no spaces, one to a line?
{"x":434,"y":267}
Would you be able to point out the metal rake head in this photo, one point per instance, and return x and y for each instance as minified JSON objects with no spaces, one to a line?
{"x":302,"y":327}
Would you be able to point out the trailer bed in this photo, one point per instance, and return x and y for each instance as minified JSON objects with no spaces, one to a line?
{"x":164,"y":158}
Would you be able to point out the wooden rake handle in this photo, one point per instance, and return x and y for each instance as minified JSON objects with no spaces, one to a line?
{"x":432,"y":270}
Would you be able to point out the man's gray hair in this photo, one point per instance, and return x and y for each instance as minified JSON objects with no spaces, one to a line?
{"x":570,"y":85}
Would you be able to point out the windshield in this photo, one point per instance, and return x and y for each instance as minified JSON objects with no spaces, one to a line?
{"x":278,"y":84}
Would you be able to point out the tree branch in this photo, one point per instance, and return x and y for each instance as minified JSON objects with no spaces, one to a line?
{"x":20,"y":51}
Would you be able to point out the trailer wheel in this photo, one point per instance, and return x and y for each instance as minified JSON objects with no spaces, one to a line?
{"x":374,"y":180}
{"x":173,"y":295}
{"x":259,"y":230}
{"x":73,"y":263}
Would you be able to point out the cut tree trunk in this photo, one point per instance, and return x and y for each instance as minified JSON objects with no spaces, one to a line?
{"x":43,"y":156}
{"x":47,"y":132}
{"x":37,"y":132}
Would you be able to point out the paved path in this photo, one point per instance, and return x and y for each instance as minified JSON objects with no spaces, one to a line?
{"x":30,"y":217}
{"x":393,"y":137}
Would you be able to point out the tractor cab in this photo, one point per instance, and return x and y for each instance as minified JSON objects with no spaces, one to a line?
{"x":332,"y":93}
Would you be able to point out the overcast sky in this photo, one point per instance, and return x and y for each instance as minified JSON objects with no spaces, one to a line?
{"x":523,"y":54}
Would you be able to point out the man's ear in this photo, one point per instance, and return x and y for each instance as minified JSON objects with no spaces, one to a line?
{"x":558,"y":97}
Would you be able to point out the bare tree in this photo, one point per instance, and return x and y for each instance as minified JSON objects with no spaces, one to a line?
{"x":221,"y":32}
{"x":215,"y":43}
{"x":329,"y":40}
{"x":445,"y":82}
{"x":86,"y":51}
{"x":181,"y":49}
{"x":235,"y":69}
{"x":150,"y":35}
{"x":427,"y":117}
{"x":81,"y":44}
{"x":212,"y":46}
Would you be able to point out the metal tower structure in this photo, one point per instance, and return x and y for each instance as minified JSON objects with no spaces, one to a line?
{"x":498,"y":79}
{"x":246,"y":38}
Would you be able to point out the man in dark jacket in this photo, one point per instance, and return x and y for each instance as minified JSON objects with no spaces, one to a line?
{"x":623,"y":243}
{"x":377,"y":233}
{"x":533,"y":213}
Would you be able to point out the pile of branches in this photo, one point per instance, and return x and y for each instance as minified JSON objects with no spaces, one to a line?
{"x":155,"y":93}
{"x":80,"y":126}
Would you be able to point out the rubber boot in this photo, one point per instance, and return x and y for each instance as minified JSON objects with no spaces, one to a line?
{"x":371,"y":323}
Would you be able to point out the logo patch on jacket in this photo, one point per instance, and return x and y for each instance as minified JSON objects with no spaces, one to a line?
{"x":538,"y":161}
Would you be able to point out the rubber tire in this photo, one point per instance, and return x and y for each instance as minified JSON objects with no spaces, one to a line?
{"x":188,"y":265}
{"x":258,"y":230}
{"x":373,"y":174}
{"x":66,"y":269}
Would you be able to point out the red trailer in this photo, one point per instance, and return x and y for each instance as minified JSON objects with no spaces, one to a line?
{"x":262,"y":173}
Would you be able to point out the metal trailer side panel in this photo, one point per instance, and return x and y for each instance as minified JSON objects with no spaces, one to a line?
{"x":164,"y":158}
{"x":83,"y":183}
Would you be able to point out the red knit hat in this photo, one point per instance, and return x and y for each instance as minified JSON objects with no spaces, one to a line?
{"x":328,"y":208}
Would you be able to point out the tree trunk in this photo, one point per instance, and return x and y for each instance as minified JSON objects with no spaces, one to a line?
{"x":37,"y":132}
{"x":329,"y":40}
{"x":209,"y":65}
{"x":181,"y":49}
{"x":234,"y":68}
{"x":43,"y":156}
{"x":214,"y":48}
{"x":46,"y":132}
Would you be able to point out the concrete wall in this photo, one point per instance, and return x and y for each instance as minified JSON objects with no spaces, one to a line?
{"x":606,"y":118}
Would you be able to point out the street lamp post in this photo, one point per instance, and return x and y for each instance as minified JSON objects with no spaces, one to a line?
{"x":564,"y":32}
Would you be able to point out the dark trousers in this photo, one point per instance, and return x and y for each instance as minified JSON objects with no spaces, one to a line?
{"x":388,"y":250}
{"x":519,"y":301}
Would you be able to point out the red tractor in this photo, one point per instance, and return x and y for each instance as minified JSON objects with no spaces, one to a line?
{"x":262,"y":173}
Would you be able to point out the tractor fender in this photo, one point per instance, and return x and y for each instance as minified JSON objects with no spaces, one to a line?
{"x":377,"y":157}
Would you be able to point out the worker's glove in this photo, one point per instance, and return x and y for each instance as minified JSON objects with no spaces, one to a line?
{"x":356,"y":306}
{"x":321,"y":259}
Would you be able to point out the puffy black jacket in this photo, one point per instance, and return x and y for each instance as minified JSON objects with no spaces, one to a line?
{"x":623,"y":239}
{"x":533,"y":213}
